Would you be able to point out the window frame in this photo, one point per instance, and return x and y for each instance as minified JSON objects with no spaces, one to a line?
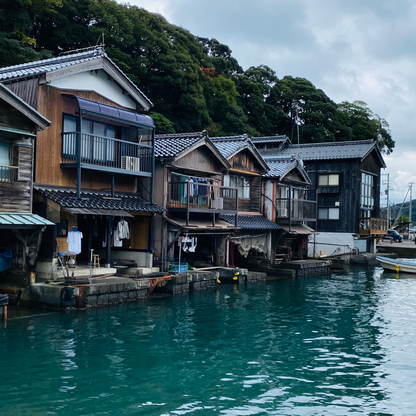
{"x":327,"y":216}
{"x":328,"y":176}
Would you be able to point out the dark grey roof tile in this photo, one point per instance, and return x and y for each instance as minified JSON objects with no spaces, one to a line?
{"x":251,"y":222}
{"x":66,"y":197}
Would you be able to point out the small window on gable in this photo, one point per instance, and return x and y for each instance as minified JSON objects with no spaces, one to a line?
{"x":329,"y":179}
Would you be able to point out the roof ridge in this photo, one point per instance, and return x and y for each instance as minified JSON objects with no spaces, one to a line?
{"x":346,"y":143}
{"x":64,"y":58}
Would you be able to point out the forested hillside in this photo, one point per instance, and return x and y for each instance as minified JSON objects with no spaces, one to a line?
{"x":194,"y":83}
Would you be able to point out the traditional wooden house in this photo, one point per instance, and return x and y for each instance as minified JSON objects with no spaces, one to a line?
{"x":95,"y":164}
{"x":189,"y":186}
{"x":20,"y":230}
{"x":346,"y":185}
{"x":258,"y":235}
{"x":284,"y":200}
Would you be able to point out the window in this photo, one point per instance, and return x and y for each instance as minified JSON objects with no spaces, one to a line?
{"x":328,"y":214}
{"x":96,"y":142}
{"x":6,"y":174}
{"x":242,"y":184}
{"x":328,"y":180}
{"x":367,"y":191}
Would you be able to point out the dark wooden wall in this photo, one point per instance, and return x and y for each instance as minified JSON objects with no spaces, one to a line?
{"x":347,"y":193}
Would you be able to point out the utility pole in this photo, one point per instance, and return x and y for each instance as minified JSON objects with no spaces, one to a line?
{"x":387,"y":193}
{"x":410,"y":205}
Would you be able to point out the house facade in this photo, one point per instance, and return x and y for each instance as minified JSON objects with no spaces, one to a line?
{"x":94,"y":166}
{"x":189,"y":186}
{"x":346,"y":181}
{"x":258,"y":236}
{"x":21,"y":231}
{"x":284,"y":198}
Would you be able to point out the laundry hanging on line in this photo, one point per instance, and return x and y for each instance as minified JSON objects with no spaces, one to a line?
{"x":189,"y":244}
{"x":74,"y":241}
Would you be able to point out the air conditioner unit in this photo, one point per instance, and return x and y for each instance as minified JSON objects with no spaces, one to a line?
{"x":130,"y":163}
{"x":217,"y":203}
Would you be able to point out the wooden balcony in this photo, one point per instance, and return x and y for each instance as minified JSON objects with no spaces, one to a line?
{"x":295,"y":210}
{"x":201,"y":197}
{"x":106,"y":154}
{"x":373,"y":226}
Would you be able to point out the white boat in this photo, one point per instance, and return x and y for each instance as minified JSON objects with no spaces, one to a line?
{"x":396,"y":265}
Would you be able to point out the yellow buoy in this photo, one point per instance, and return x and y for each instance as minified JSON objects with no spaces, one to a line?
{"x":397,"y":268}
{"x":235,"y":277}
{"x":218,"y":281}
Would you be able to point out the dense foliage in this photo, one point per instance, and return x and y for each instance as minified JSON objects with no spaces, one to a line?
{"x":194,"y":83}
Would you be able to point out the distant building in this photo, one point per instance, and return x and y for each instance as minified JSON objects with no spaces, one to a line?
{"x":346,"y":179}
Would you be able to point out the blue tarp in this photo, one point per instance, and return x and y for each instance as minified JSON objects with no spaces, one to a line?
{"x":6,"y":259}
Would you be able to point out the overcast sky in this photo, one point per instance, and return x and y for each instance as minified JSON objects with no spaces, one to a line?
{"x":352,"y":50}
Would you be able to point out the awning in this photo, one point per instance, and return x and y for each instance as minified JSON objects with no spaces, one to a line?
{"x":22,"y":220}
{"x":115,"y":113}
{"x":96,"y":211}
{"x":203,"y":226}
{"x":299,"y":229}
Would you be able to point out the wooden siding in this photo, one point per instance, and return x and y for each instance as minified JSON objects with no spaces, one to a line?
{"x":294,"y":178}
{"x":347,"y":193}
{"x":27,"y":90}
{"x":201,"y":159}
{"x":139,"y":232}
{"x":16,"y":196}
{"x":49,"y":145}
{"x":11,"y":117}
{"x":245,"y":161}
{"x":252,"y":204}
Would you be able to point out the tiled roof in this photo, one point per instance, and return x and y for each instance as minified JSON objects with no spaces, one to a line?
{"x":230,"y":145}
{"x":171,"y":145}
{"x":66,"y":198}
{"x":37,"y":68}
{"x":327,"y":151}
{"x":251,"y":222}
{"x":280,"y":166}
{"x":270,"y":139}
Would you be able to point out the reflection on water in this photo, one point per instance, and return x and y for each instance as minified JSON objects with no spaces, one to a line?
{"x":339,"y":344}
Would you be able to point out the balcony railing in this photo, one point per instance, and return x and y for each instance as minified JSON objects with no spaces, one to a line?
{"x":8,"y":173}
{"x":202,"y":197}
{"x":295,"y":209}
{"x":373,"y":226}
{"x":106,"y":152}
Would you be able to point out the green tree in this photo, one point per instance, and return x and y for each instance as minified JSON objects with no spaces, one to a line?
{"x":309,"y":109}
{"x":363,"y":124}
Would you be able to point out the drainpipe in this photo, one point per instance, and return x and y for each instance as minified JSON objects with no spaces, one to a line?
{"x":290,"y":207}
{"x":109,"y":229}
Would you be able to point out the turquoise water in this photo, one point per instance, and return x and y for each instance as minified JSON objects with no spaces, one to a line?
{"x":342,"y":344}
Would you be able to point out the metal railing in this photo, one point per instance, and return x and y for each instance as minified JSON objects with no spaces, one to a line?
{"x":296,"y":209}
{"x":199,"y":196}
{"x":373,"y":226}
{"x":107,"y":152}
{"x":8,"y":173}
